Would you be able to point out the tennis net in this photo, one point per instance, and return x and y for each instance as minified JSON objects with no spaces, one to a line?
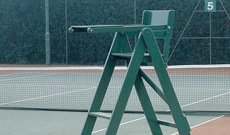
{"x":199,"y":88}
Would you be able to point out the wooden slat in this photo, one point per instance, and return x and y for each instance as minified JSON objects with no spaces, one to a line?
{"x":100,"y":114}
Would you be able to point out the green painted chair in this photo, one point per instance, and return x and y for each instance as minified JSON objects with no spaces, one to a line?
{"x":156,"y":24}
{"x":161,"y":17}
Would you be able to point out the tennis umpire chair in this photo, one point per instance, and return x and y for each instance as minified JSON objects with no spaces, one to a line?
{"x":156,"y":24}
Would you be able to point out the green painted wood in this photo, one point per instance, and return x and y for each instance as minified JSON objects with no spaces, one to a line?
{"x":160,"y":67}
{"x":103,"y":84}
{"x":166,"y":123}
{"x":130,"y":78}
{"x":169,"y":34}
{"x":127,"y":56}
{"x":163,"y":17}
{"x":120,"y":49}
{"x":145,"y":101}
{"x":166,"y":49}
{"x":160,"y":30}
{"x":155,"y":17}
{"x":122,"y":54}
{"x":147,"y":106}
{"x":153,"y":85}
{"x":100,"y":114}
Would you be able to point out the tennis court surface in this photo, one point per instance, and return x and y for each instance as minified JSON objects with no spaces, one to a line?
{"x":54,"y":100}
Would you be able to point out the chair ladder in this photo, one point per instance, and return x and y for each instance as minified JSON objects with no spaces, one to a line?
{"x":120,"y":50}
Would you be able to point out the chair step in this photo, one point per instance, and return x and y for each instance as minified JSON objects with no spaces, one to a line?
{"x":166,"y":123}
{"x":126,"y":54}
{"x":100,"y":114}
{"x":122,"y":55}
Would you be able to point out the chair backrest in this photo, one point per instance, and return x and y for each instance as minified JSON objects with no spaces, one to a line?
{"x":163,"y":18}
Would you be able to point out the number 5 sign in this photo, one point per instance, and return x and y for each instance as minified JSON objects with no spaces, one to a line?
{"x":210,"y":6}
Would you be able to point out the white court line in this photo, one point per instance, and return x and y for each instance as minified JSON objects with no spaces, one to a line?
{"x":47,"y":96}
{"x":41,"y":85}
{"x":50,"y":68}
{"x":203,"y":123}
{"x":171,"y":134}
{"x":9,"y":74}
{"x":120,"y":124}
{"x":15,"y":78}
{"x":168,"y":110}
{"x":102,"y":68}
{"x":226,"y":93}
